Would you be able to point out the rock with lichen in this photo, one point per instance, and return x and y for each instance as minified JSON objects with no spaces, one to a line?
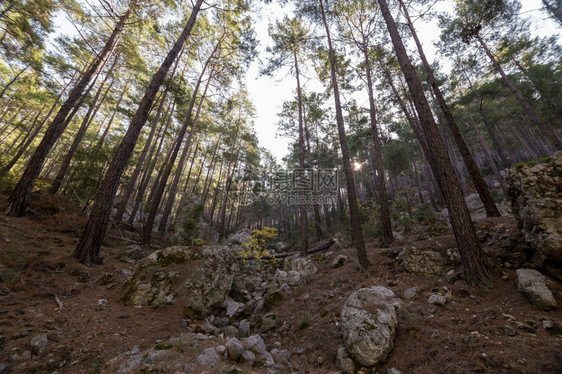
{"x":369,"y":322}
{"x":535,"y":192}
{"x":198,"y":278}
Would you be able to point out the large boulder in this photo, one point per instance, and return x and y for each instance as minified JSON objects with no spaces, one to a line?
{"x":198,"y":277}
{"x":240,"y":237}
{"x":302,"y":265}
{"x":533,"y":285}
{"x":426,"y":263}
{"x":535,"y":192}
{"x":368,"y":320}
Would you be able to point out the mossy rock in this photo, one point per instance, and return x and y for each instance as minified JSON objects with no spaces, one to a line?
{"x":198,"y":278}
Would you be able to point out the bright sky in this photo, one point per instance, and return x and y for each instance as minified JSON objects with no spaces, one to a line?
{"x":268,"y":94}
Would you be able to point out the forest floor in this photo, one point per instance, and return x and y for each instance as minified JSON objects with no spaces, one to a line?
{"x":44,"y":290}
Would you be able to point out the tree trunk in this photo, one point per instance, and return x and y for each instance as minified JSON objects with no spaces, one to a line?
{"x":302,"y":205}
{"x":23,"y":146}
{"x":486,"y":150}
{"x":551,"y":135}
{"x":92,"y":110}
{"x":165,"y":174}
{"x":12,"y":81}
{"x":353,"y":207}
{"x":493,"y":135}
{"x":140,"y":163}
{"x":87,"y":250}
{"x":315,"y":206}
{"x":19,"y":199}
{"x":474,"y":172}
{"x":183,"y":158}
{"x":475,"y":269}
{"x":152,"y":159}
{"x":387,"y":236}
{"x":101,"y":139}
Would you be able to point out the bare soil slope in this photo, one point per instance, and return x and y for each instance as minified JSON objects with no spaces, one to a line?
{"x":44,"y":290}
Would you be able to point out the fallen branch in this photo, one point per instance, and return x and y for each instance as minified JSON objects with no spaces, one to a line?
{"x":57,"y":300}
{"x":319,"y":248}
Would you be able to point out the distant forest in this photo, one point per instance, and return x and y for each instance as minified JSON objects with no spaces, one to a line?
{"x":142,"y":116}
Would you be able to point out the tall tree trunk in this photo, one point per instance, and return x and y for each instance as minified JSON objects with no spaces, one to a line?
{"x":302,"y":205}
{"x":475,"y":269}
{"x":12,"y":81}
{"x":19,"y":199}
{"x":10,"y":124}
{"x":474,"y":172}
{"x":101,"y":139}
{"x":546,"y":130}
{"x":353,"y":207}
{"x":165,"y":174}
{"x":92,"y":110}
{"x":145,"y":151}
{"x":22,"y":147}
{"x":152,"y":159}
{"x":183,"y":158}
{"x":387,"y":236}
{"x":87,"y":250}
{"x":315,"y":206}
{"x":486,"y":150}
{"x":493,"y":135}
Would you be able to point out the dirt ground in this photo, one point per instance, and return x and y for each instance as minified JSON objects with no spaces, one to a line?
{"x":44,"y":290}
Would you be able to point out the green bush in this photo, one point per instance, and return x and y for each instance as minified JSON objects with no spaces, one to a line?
{"x":425,"y":214}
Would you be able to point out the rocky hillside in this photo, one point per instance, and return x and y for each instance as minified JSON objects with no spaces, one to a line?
{"x":206,"y":309}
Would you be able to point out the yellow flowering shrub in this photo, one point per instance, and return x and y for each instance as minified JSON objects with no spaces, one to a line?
{"x":255,"y":248}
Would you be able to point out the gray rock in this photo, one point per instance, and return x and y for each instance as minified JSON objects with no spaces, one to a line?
{"x":131,"y":364}
{"x":426,"y":263}
{"x":154,"y":356}
{"x":368,"y":322}
{"x":302,"y":265}
{"x":536,"y":197}
{"x":159,"y":280}
{"x":103,"y":304}
{"x":339,"y":261}
{"x":552,"y":327}
{"x":411,"y":293}
{"x":256,"y":345}
{"x":135,"y":252}
{"x":38,"y":344}
{"x":509,"y":330}
{"x":244,"y":329}
{"x":249,"y":357}
{"x":232,"y":307}
{"x":230,"y":332}
{"x":525,"y":326}
{"x":436,"y":299}
{"x":393,"y":371}
{"x":452,"y":276}
{"x":3,"y":368}
{"x":268,"y":322}
{"x":221,"y":350}
{"x":344,"y":362}
{"x":281,"y":246}
{"x":533,"y":285}
{"x":209,"y":357}
{"x":292,"y":278}
{"x":235,"y":349}
{"x":242,"y":236}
